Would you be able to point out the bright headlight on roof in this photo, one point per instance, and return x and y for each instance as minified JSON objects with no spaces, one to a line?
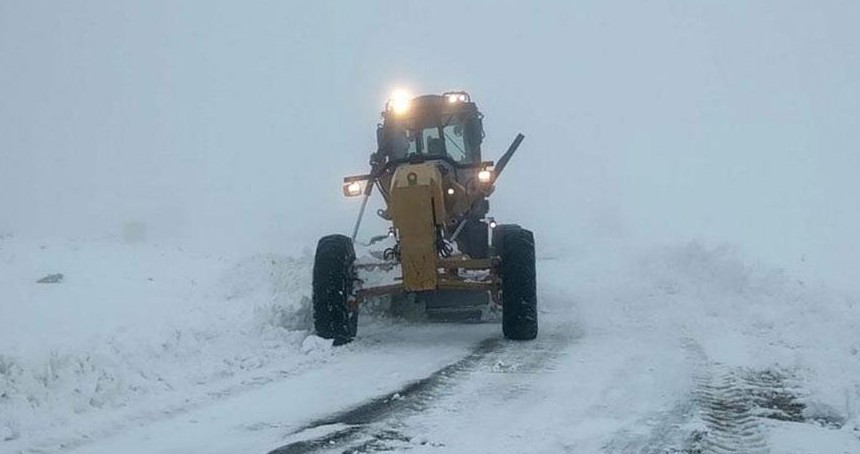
{"x":485,"y":176}
{"x":400,"y":102}
{"x":456,"y":97}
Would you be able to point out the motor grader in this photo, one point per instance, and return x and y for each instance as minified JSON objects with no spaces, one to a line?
{"x":435,"y":185}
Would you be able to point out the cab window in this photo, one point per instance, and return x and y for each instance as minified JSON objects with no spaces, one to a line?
{"x":449,"y":139}
{"x":454,"y":143}
{"x":426,"y":141}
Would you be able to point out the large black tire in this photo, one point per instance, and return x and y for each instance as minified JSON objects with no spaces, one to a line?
{"x":519,"y":284}
{"x":333,"y":281}
{"x":499,"y":233}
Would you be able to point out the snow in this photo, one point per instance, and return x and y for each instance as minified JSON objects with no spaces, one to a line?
{"x":133,"y":321}
{"x":809,"y":439}
{"x":689,"y":171}
{"x":148,"y":348}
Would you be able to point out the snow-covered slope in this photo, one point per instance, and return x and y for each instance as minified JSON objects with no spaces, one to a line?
{"x":145,"y":348}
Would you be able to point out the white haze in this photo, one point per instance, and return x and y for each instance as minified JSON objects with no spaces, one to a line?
{"x":230,"y":124}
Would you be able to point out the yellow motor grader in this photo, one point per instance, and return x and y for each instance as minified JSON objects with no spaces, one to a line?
{"x":430,"y":173}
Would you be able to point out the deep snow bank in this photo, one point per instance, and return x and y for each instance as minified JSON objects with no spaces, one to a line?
{"x":135,"y":327}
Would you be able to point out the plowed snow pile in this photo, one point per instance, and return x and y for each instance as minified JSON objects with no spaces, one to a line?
{"x":136,"y":329}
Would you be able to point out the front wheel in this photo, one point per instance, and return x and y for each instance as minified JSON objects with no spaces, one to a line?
{"x":333,"y":284}
{"x":519,"y":283}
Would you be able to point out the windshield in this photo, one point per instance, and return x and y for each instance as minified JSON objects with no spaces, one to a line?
{"x":442,"y":140}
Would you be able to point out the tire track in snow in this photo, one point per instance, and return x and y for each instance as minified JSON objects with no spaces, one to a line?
{"x":368,"y":427}
{"x":723,"y":413}
{"x":728,"y":414}
{"x":344,"y":427}
{"x":730,"y":424}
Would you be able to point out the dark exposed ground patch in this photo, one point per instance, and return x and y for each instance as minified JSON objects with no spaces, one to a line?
{"x":772,"y":395}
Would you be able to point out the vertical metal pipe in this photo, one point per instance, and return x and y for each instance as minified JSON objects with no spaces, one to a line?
{"x":363,"y":206}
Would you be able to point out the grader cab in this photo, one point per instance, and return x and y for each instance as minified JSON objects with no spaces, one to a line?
{"x":430,"y":173}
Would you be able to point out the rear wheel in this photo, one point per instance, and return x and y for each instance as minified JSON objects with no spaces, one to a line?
{"x":333,"y":284}
{"x":519,"y":285}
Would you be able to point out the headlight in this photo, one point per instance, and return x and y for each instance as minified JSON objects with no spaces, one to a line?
{"x":485,"y":176}
{"x":454,"y":97}
{"x":400,"y":102}
{"x":352,"y":189}
{"x":457,"y":97}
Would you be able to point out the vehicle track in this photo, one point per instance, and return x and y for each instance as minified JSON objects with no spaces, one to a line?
{"x":732,"y":403}
{"x":412,"y":397}
{"x":723,"y":412}
{"x":373,"y":426}
{"x":729,"y":415}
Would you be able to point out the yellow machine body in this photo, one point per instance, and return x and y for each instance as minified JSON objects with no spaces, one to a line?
{"x":429,"y":171}
{"x":417,"y":208}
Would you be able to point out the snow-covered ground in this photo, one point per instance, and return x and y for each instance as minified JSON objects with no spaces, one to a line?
{"x":134,"y":330}
{"x":673,"y":348}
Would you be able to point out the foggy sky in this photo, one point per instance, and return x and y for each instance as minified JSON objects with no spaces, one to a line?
{"x":232,"y":123}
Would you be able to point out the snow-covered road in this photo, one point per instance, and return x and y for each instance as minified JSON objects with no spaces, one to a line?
{"x":256,"y":417}
{"x":671,"y":349}
{"x":612,"y":377}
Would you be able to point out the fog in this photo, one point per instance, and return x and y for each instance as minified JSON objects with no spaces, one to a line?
{"x":229,"y":125}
